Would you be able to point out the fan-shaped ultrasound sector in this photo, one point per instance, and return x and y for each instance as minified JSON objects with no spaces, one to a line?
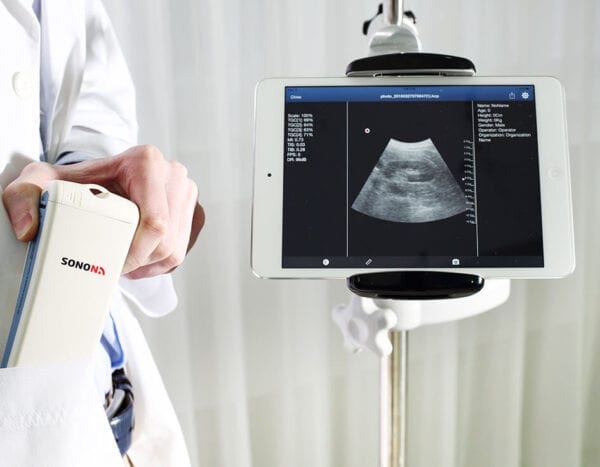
{"x":410,"y":183}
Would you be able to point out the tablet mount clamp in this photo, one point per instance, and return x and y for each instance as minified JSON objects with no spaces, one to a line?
{"x":386,"y":305}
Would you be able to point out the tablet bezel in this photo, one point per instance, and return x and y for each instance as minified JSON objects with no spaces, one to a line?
{"x":555,"y":190}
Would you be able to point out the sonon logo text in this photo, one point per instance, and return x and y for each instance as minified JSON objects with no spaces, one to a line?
{"x":72,"y":263}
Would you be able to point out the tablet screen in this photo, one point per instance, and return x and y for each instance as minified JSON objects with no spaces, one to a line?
{"x":411,"y":177}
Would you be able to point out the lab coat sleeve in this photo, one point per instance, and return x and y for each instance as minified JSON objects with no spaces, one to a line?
{"x":101,"y":120}
{"x":157,"y":439}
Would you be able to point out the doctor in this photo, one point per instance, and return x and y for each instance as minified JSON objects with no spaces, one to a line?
{"x":67,"y":104}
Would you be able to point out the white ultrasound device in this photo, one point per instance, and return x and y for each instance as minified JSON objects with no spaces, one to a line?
{"x":462,"y":174}
{"x":71,"y":272}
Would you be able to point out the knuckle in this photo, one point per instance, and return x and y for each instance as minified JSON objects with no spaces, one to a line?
{"x":179,"y":170}
{"x":150,"y":154}
{"x":37,"y":173}
{"x":155,"y":224}
{"x":34,"y":168}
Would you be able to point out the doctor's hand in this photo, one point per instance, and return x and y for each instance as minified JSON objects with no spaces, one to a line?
{"x":170,"y":216}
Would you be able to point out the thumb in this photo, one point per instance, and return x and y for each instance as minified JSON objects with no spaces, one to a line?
{"x":21,"y":200}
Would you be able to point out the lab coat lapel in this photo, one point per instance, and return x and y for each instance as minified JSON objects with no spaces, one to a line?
{"x":19,"y":87}
{"x":63,"y":62}
{"x":22,"y":12}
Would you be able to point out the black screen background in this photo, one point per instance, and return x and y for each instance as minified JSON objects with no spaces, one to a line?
{"x":314,"y":213}
{"x":510,"y":219}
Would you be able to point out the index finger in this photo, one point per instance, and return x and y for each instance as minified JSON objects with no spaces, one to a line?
{"x":148,"y":192}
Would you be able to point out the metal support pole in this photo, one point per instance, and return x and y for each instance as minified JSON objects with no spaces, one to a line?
{"x":393,"y":12}
{"x":394,"y":385}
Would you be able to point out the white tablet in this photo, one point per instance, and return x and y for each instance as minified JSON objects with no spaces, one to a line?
{"x":356,"y":175}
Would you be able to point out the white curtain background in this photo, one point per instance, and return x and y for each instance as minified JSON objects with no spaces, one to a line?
{"x":256,"y":368}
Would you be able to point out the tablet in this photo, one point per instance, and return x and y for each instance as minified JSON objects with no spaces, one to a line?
{"x":357,"y":175}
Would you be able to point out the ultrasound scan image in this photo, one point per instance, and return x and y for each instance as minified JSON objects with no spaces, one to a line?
{"x":410,"y":183}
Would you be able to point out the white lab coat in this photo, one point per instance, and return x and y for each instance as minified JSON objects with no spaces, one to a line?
{"x":51,"y":416}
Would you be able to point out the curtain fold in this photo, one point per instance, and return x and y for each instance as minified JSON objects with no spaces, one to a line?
{"x":257,"y":369}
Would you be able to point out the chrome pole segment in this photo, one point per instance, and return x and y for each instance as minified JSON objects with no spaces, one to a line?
{"x":394,"y":385}
{"x":393,"y":11}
